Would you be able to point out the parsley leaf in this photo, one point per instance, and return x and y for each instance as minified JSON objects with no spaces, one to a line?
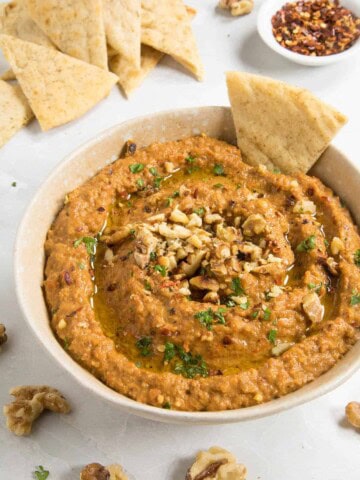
{"x":161,"y":270}
{"x":267,"y":313}
{"x":190,"y":365}
{"x":236,"y":286}
{"x":255,"y":314}
{"x":147,"y":285}
{"x":157,"y":182}
{"x":167,"y":406}
{"x":13,"y":184}
{"x":89,"y":242}
{"x":145,"y":346}
{"x":272,"y":336}
{"x":355,"y":298}
{"x":199,"y":211}
{"x":170,"y":351}
{"x":153,"y":171}
{"x":190,"y":159}
{"x":40,"y":473}
{"x":136,"y":167}
{"x":140,"y":183}
{"x":315,"y":287}
{"x":153,"y":256}
{"x":218,"y":185}
{"x":307,"y":244}
{"x":218,"y":169}
{"x":357,"y":258}
{"x":207,"y":317}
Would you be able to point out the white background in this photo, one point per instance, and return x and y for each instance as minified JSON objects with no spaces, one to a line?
{"x":311,"y":442}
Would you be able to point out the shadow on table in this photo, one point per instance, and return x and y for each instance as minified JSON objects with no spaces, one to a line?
{"x":180,"y":468}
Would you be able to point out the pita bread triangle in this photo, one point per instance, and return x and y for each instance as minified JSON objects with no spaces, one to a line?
{"x":75,"y":27}
{"x":166,"y":26}
{"x":279,"y":125}
{"x":14,"y":111}
{"x":58,"y":87}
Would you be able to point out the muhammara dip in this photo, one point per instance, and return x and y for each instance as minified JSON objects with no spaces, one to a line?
{"x":183,"y":278}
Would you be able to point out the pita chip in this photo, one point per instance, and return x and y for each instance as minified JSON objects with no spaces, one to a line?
{"x":166,"y":26}
{"x":76,"y":27}
{"x":58,"y":87}
{"x":123,"y":30}
{"x":131,"y":79}
{"x":279,"y":125}
{"x":14,"y":111}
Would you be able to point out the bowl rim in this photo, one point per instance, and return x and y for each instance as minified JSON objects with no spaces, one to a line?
{"x":269,"y":8}
{"x":291,"y":400}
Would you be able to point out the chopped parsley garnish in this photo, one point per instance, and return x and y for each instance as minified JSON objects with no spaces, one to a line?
{"x":66,"y":343}
{"x":355,"y":298}
{"x":171,"y":198}
{"x":81,"y":265}
{"x":276,"y":170}
{"x":190,"y":365}
{"x":89,"y":242}
{"x":132,"y":232}
{"x":145,"y":346}
{"x":161,"y":269}
{"x":13,"y":184}
{"x":40,"y":473}
{"x":314,"y":286}
{"x":236,"y":286}
{"x":136,"y":167}
{"x":167,"y":406}
{"x":307,"y":244}
{"x":218,"y":185}
{"x":147,"y":285}
{"x":169,"y":201}
{"x":326,"y":243}
{"x":140,"y":183}
{"x":267,"y":313}
{"x":153,"y":256}
{"x":157,"y":182}
{"x":357,"y":258}
{"x":170,"y":351}
{"x":230,"y":302}
{"x":153,"y":171}
{"x":272,"y":336}
{"x":219,"y":169}
{"x":190,"y":159}
{"x":255,"y":314}
{"x":208,"y":317}
{"x":199,"y":211}
{"x":244,"y":305}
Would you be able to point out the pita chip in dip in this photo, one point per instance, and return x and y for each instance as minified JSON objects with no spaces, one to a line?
{"x":279,"y":125}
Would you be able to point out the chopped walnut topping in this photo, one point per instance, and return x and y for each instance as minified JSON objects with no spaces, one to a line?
{"x":353,"y":413}
{"x":179,"y":217}
{"x":212,"y":297}
{"x":95,"y":471}
{"x":332,"y":266}
{"x":313,"y":308}
{"x":204,"y":283}
{"x":169,"y":167}
{"x":254,"y":225}
{"x":305,"y":206}
{"x":30,"y":402}
{"x":237,"y":7}
{"x":216,"y":464}
{"x":337,"y":245}
{"x":3,"y":336}
{"x":281,"y":348}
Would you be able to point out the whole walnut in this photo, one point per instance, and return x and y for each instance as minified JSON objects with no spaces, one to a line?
{"x":237,"y":7}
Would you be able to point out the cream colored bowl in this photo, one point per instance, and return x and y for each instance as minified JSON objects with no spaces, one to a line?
{"x":333,"y":168}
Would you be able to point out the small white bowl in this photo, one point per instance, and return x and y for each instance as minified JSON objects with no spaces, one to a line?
{"x":264,"y":26}
{"x":333,"y":168}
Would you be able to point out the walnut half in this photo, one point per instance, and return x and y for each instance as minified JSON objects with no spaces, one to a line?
{"x":353,"y":413}
{"x":95,"y":471}
{"x":3,"y":336}
{"x":237,"y":7}
{"x":30,"y":401}
{"x":216,"y":464}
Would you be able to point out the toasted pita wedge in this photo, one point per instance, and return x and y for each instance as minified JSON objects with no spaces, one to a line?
{"x":123,"y":30}
{"x":58,"y":87}
{"x":131,"y":79}
{"x":279,"y":125}
{"x":75,"y":27}
{"x":165,"y":26}
{"x":14,"y":111}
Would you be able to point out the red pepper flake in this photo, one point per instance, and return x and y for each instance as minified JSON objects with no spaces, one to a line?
{"x":315,"y":27}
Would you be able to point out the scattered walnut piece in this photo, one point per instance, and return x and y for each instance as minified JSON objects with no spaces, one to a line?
{"x":96,"y":471}
{"x":313,"y":308}
{"x":216,"y":464}
{"x":237,"y":7}
{"x":254,"y":225}
{"x":30,"y":401}
{"x":353,"y":413}
{"x":3,"y":336}
{"x":336,"y":245}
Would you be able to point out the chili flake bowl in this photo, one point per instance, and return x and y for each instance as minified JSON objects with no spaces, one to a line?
{"x":264,"y":26}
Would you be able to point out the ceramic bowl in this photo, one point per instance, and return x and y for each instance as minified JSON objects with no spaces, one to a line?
{"x":333,"y":168}
{"x":270,"y":7}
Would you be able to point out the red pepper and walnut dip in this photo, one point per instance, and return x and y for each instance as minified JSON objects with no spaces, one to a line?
{"x":315,"y":27}
{"x":186,"y":279}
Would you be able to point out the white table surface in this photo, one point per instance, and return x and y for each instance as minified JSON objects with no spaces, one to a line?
{"x":311,"y":442}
